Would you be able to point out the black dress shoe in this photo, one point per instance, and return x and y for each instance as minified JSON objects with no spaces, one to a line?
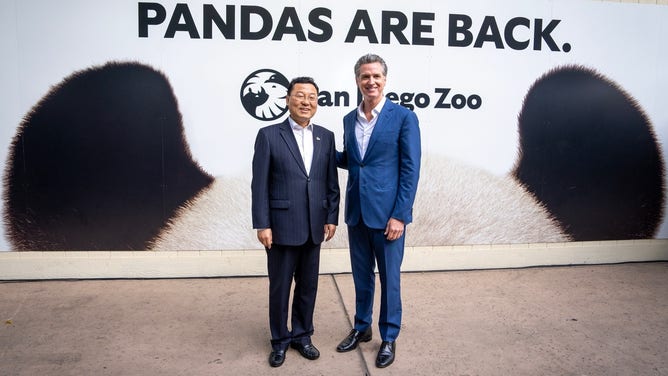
{"x":276,"y":358}
{"x":308,"y":351}
{"x":386,"y":354}
{"x":353,"y":339}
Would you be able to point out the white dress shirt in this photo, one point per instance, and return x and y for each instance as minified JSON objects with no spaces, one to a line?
{"x":364,"y":127}
{"x":304,"y":137}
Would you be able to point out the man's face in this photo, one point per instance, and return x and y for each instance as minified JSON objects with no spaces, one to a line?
{"x":302,"y":103}
{"x":371,"y":80}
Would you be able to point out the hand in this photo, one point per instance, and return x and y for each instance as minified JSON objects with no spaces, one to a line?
{"x":329,"y":231}
{"x":394,"y":229}
{"x":264,"y":236}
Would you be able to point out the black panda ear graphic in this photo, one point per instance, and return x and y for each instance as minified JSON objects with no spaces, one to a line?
{"x":100,"y":163}
{"x":589,"y":154}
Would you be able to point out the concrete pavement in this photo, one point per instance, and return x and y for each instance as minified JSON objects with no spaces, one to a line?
{"x":578,"y":320}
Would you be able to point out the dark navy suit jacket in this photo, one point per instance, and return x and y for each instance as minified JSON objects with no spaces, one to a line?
{"x":383,"y":183}
{"x":285,"y":198}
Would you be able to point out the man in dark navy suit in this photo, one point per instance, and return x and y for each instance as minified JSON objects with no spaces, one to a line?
{"x":295,"y":206}
{"x":381,"y":151}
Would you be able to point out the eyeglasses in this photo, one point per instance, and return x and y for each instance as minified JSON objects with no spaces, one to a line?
{"x":301,"y":96}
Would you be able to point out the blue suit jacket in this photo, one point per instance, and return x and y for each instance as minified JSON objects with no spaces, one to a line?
{"x":285,"y":198}
{"x":383,"y":183}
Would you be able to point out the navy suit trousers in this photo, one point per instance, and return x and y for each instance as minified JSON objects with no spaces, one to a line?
{"x":283,"y":264}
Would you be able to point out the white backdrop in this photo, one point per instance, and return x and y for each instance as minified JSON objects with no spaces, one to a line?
{"x":45,"y":41}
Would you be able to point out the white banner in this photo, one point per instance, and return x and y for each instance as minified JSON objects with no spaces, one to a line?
{"x":464,"y":67}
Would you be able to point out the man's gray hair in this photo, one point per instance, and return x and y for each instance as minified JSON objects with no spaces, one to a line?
{"x":368,"y":59}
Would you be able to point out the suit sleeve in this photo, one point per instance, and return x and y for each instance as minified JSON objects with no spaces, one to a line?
{"x":409,"y":168}
{"x":333,"y":193}
{"x":260,"y":183}
{"x":342,"y":156}
{"x":342,"y":159}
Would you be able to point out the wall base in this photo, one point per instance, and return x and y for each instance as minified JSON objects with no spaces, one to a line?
{"x":195,"y":264}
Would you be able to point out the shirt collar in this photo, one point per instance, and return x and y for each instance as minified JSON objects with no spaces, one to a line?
{"x":297,"y":127}
{"x":375,"y":111}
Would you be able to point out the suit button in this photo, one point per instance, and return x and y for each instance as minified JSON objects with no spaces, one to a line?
{"x":308,"y":180}
{"x":362,"y":165}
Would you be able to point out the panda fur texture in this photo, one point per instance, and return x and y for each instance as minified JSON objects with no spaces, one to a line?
{"x":589,"y":154}
{"x":510,"y":215}
{"x":101,"y":163}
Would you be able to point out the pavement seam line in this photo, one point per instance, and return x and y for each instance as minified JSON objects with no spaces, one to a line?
{"x":345,"y":311}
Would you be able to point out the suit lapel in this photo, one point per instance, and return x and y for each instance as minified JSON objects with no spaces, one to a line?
{"x":349,"y":127}
{"x":291,"y":142}
{"x":317,"y":144}
{"x":385,"y":114}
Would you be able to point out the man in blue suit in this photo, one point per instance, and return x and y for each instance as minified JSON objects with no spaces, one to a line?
{"x":381,"y":151}
{"x":295,"y":206}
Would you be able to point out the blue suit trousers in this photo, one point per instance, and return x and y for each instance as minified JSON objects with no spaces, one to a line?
{"x":369,"y":247}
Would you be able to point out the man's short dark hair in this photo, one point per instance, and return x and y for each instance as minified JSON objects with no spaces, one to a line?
{"x":302,"y":80}
{"x":368,"y":59}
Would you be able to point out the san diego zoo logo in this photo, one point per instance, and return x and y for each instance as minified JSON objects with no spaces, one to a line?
{"x":264,"y":91}
{"x":263,"y":94}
